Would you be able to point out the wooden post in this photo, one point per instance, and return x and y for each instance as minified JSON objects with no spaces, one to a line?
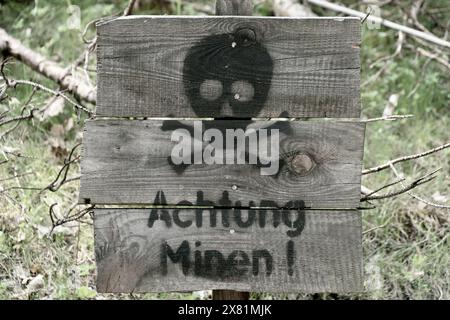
{"x":230,"y":295}
{"x":232,"y":8}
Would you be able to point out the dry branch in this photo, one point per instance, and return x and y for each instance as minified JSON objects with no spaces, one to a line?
{"x":405,"y":188}
{"x":433,"y":56}
{"x":389,"y":118}
{"x":69,"y":216}
{"x":418,"y":198}
{"x":413,"y":32}
{"x":50,"y":69}
{"x":406,"y":158}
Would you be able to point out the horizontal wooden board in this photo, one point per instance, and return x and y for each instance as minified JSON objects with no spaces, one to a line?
{"x":128,"y":162}
{"x":155,"y":66}
{"x":325,"y":256}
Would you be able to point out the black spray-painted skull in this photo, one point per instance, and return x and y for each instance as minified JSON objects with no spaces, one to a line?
{"x":228,"y":75}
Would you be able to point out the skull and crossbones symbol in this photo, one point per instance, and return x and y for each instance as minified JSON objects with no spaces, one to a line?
{"x":227,"y":76}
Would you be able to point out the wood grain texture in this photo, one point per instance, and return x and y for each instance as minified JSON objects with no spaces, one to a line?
{"x":230,"y":8}
{"x":126,"y":162}
{"x":326,"y":256}
{"x":150,"y":66}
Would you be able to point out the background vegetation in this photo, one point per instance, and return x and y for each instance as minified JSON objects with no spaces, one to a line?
{"x":406,"y":242}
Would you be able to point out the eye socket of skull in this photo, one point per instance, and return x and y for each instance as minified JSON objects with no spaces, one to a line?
{"x":242,"y":91}
{"x":211,"y":89}
{"x":243,"y":70}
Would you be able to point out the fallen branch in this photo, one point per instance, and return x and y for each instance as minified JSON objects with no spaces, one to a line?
{"x":50,"y":69}
{"x":413,"y":32}
{"x":60,"y":179}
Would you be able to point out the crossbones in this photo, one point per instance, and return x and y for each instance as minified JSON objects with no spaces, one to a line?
{"x":170,"y":125}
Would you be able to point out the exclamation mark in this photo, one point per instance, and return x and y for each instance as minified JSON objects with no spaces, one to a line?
{"x":290,"y":256}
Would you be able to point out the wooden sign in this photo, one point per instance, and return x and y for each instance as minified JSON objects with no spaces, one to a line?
{"x":211,"y":193}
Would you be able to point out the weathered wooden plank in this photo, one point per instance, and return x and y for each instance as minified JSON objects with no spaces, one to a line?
{"x":316,"y":251}
{"x":129,"y":162}
{"x":154,"y":66}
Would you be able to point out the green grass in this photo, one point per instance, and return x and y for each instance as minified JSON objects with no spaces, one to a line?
{"x":406,"y":244}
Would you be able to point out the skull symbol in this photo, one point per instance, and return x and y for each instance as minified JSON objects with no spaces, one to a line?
{"x":228,"y":75}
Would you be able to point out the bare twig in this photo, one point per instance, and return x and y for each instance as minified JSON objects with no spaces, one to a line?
{"x":388,"y":118}
{"x":405,"y":188}
{"x":18,"y":118}
{"x":389,"y":59}
{"x":427,"y":202}
{"x":69,"y":216}
{"x":384,"y":187}
{"x":12,"y":83}
{"x":61,"y":177}
{"x":398,"y":50}
{"x":55,"y":93}
{"x":367,"y":15}
{"x":415,"y":8}
{"x":16,"y":176}
{"x":413,"y":195}
{"x":433,"y":56}
{"x":406,"y":158}
{"x":378,"y":227}
{"x":419,"y":81}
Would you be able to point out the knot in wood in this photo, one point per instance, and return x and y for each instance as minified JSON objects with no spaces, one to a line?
{"x":302,"y":164}
{"x":245,"y":37}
